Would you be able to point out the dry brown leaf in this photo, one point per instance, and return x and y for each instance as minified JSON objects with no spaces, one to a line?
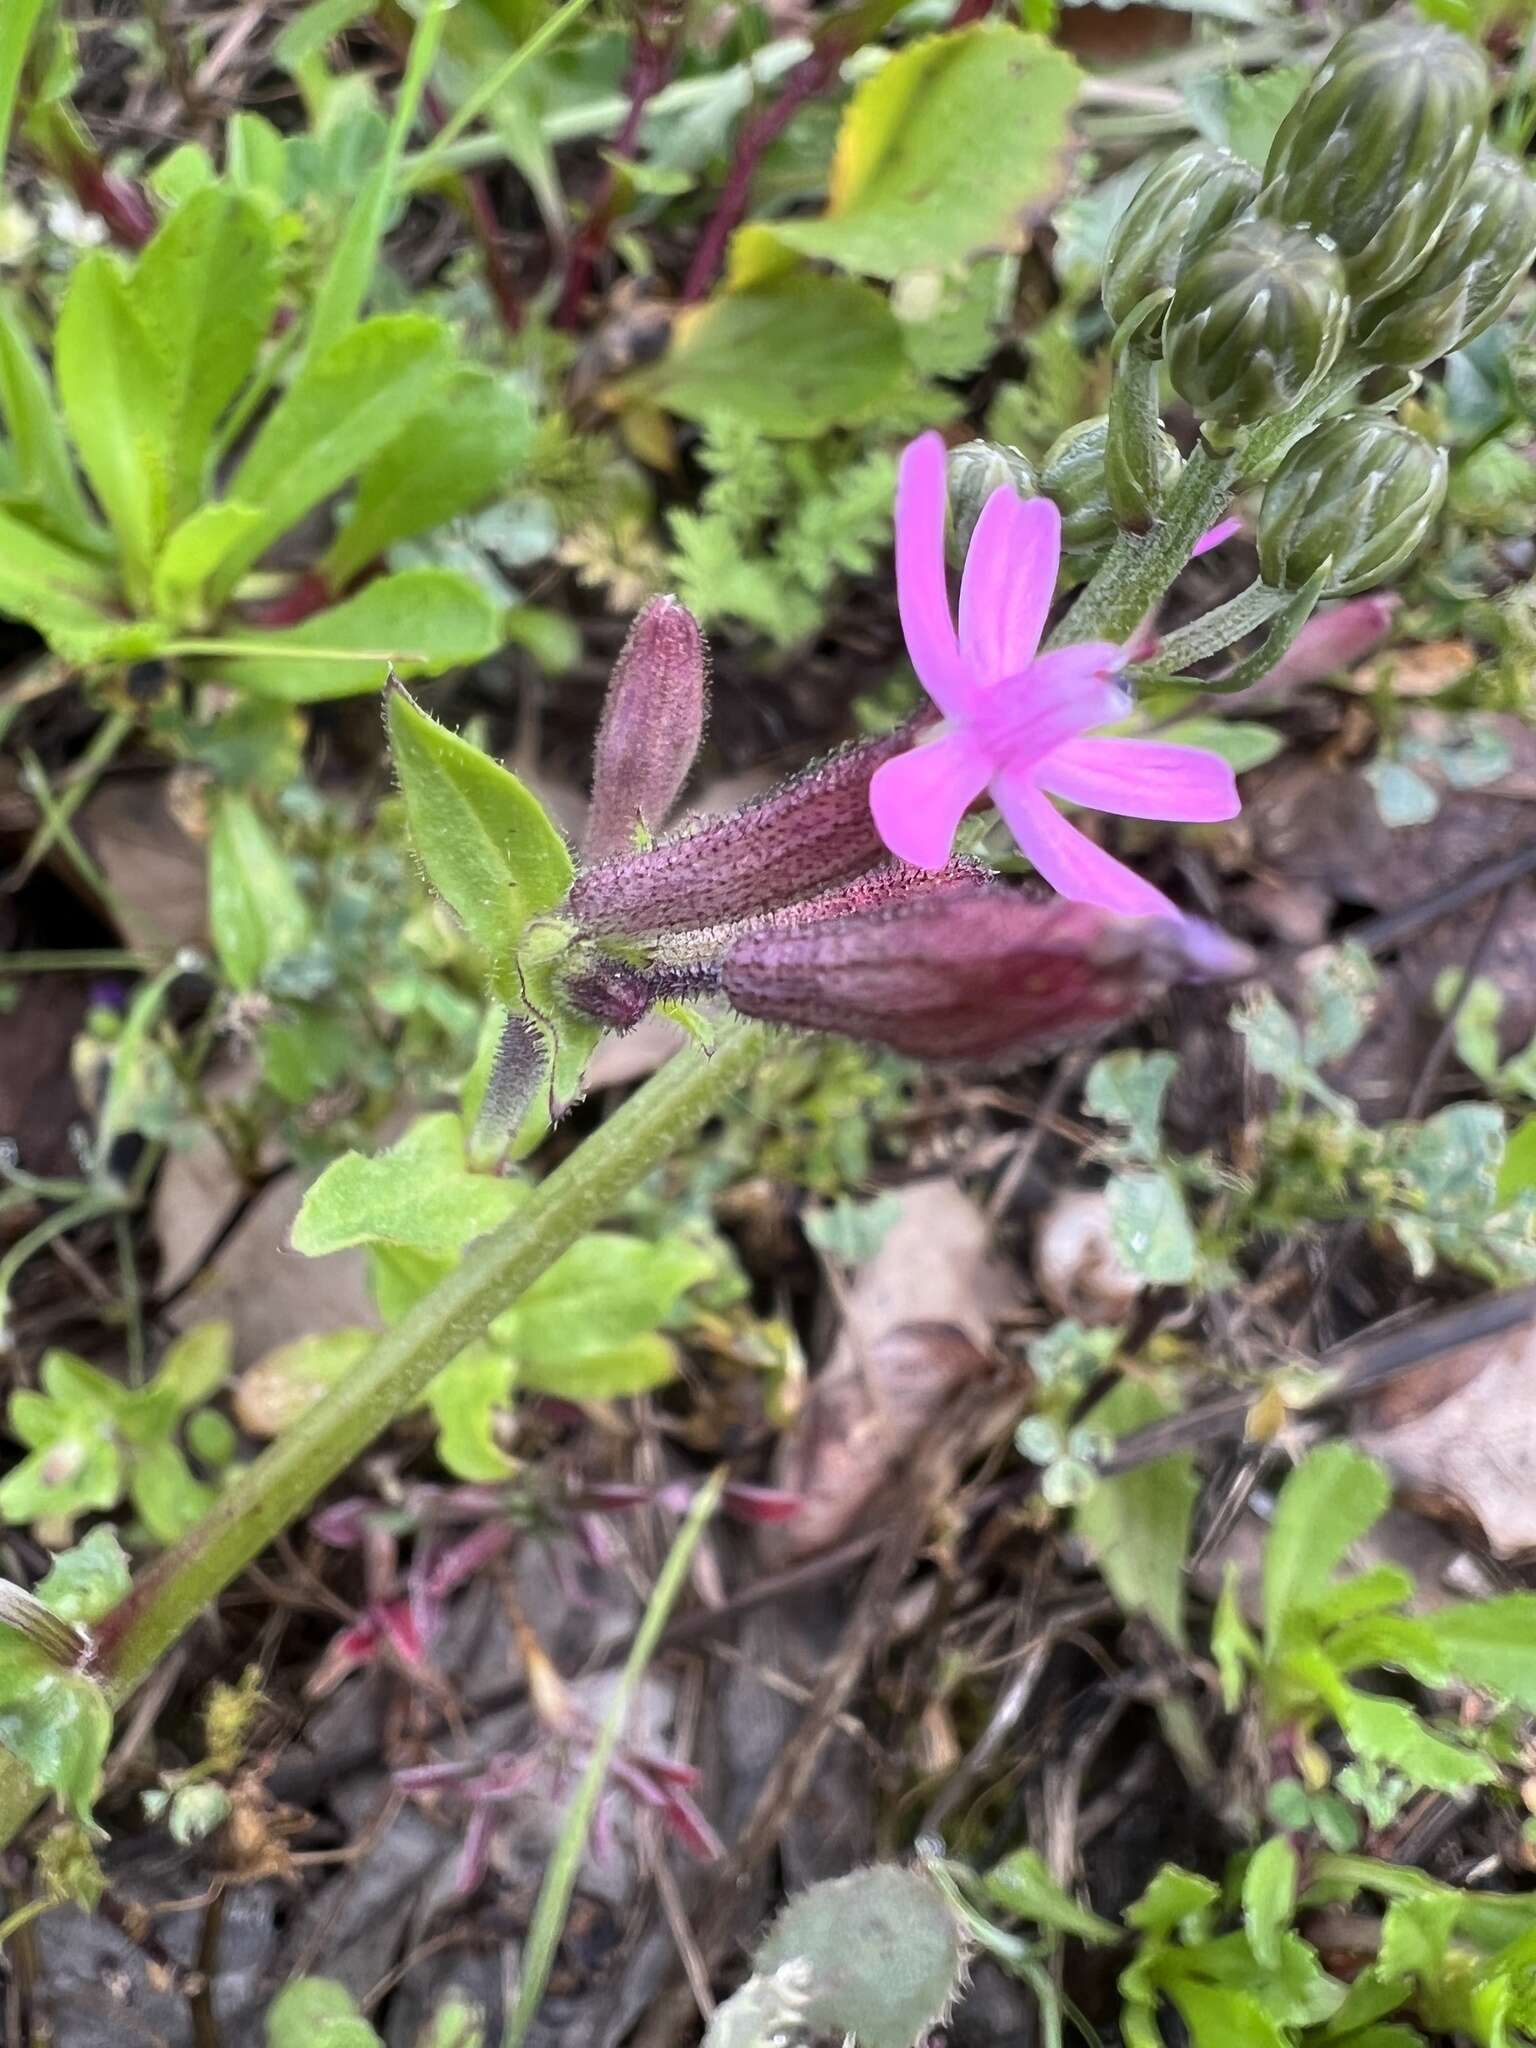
{"x":156,"y":871}
{"x":1459,"y":1437}
{"x":1422,"y":671}
{"x":919,"y":1318}
{"x":270,"y":1293}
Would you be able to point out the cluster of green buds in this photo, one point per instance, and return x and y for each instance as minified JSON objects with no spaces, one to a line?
{"x":1291,"y":310}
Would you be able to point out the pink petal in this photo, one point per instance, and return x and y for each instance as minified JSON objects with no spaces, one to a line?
{"x":1029,"y":716}
{"x":1070,"y":861}
{"x":1143,"y":779}
{"x":922,"y":595}
{"x":918,"y":799}
{"x":1009,"y":581}
{"x":1223,"y":530}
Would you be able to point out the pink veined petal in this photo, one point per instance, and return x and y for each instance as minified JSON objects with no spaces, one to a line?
{"x":919,"y":798}
{"x":1028,"y":716}
{"x":1069,"y":860}
{"x":1009,"y":581}
{"x":922,"y":594}
{"x":1143,"y":779}
{"x":1223,"y":530}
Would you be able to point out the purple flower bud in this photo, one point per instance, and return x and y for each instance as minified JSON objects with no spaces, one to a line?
{"x":986,"y":975}
{"x":652,"y":724}
{"x":516,"y":1072}
{"x":1336,"y":639}
{"x":814,"y":833}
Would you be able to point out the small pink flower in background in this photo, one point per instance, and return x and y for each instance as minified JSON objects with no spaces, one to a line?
{"x":1221,"y":532}
{"x":1015,"y":720}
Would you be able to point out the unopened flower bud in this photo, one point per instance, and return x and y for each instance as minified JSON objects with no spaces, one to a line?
{"x":988,"y":975}
{"x":974,"y":471}
{"x":1363,"y":491}
{"x":1072,"y":476}
{"x":1467,"y":279}
{"x":1377,"y":148}
{"x":814,"y":833}
{"x":652,"y":723}
{"x":1189,"y":197}
{"x":1258,"y":315}
{"x":517,"y":1070}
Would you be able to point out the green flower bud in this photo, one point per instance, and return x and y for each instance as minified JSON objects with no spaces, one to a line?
{"x":1361,"y":489}
{"x":1376,"y":149}
{"x":1072,"y":476}
{"x":1258,"y":315}
{"x":974,"y":471}
{"x":1468,"y":278}
{"x":1191,"y":196}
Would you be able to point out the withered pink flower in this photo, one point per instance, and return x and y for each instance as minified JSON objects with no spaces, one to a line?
{"x":986,"y":975}
{"x":1017,"y":723}
{"x":651,"y":727}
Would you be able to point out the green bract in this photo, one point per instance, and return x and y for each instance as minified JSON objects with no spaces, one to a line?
{"x":1073,"y":477}
{"x":1361,"y":491}
{"x":1190,"y":197}
{"x":1258,"y":316}
{"x":1470,"y":275}
{"x":975,"y":470}
{"x":1375,"y":151}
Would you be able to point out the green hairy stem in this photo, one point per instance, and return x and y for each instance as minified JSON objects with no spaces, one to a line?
{"x":283,"y":1483}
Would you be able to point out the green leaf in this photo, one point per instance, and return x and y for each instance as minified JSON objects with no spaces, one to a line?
{"x":1151,"y":1227}
{"x":339,"y":411}
{"x":634,"y":1367}
{"x":1384,"y":1585}
{"x":344,"y":285}
{"x":1242,"y":110}
{"x":940,"y":152}
{"x":191,"y":556}
{"x":76,"y":1462}
{"x":792,"y":357}
{"x":276,"y":1390}
{"x":1416,"y":1937}
{"x":605,"y":1291}
{"x":487,"y":845}
{"x":45,"y":469}
{"x":1241,"y":743}
{"x":465,"y":1400}
{"x":83,"y":1583}
{"x":418,"y":622}
{"x":1137,"y":1524}
{"x":1391,"y":1733}
{"x":1128,"y":1088}
{"x":1022,"y":1885}
{"x":114,"y":387}
{"x":255,"y":912}
{"x":456,"y":456}
{"x":166,"y":1497}
{"x":1328,"y":1503}
{"x":195,"y":1368}
{"x":63,"y":594}
{"x":419,"y":1195}
{"x":57,"y":1724}
{"x":314,"y":2012}
{"x":1269,"y":1898}
{"x":1492,"y":1644}
{"x":1233,"y":1644}
{"x":1175,"y":1898}
{"x":205,"y":289}
{"x":1221,"y":2018}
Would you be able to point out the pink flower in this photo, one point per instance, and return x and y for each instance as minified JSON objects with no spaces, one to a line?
{"x":1014,"y":719}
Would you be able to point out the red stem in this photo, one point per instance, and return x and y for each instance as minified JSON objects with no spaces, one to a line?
{"x":813,"y":74}
{"x":969,"y":11}
{"x":649,"y":70}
